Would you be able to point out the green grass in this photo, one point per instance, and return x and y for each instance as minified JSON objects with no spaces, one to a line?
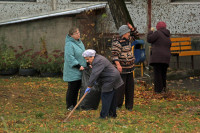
{"x":32,"y":104}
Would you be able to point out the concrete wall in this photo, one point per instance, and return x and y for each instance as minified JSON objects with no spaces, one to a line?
{"x":181,"y":18}
{"x":13,"y":10}
{"x":138,"y":13}
{"x":16,"y":10}
{"x":29,"y":34}
{"x":53,"y":30}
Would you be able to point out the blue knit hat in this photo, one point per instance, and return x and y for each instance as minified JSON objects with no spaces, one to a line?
{"x":123,"y":30}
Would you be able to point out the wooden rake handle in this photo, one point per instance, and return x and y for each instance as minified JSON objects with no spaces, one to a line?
{"x":65,"y":120}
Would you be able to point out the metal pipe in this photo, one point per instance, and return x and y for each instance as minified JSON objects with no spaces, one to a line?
{"x":149,"y":3}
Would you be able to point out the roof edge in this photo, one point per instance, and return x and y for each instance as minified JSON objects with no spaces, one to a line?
{"x":68,"y":12}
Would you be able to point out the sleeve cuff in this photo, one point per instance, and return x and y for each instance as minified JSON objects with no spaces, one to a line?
{"x":77,"y":66}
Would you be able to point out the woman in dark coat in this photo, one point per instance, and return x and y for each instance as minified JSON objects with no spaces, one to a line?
{"x":160,"y":54}
{"x":108,"y":76}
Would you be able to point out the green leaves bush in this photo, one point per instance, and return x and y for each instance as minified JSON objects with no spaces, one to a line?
{"x":19,"y":57}
{"x":8,"y":59}
{"x":51,"y":63}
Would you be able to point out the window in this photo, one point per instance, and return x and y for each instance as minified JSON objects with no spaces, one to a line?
{"x":185,"y":0}
{"x":20,"y":0}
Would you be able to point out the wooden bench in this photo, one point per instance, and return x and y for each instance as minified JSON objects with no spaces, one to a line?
{"x":183,"y":47}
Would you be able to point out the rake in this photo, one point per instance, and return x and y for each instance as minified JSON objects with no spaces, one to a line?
{"x":65,"y":120}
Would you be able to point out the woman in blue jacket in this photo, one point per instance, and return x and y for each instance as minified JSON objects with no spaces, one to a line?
{"x":74,"y":63}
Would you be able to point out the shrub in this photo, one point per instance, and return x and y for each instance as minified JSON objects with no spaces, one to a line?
{"x":25,"y":58}
{"x":8,"y":59}
{"x":51,"y":63}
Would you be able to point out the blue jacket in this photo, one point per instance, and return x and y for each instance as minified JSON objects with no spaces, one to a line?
{"x":72,"y":57}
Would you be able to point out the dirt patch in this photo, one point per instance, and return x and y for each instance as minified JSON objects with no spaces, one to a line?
{"x":190,"y":83}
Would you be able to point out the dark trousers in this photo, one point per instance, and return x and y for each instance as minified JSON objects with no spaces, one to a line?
{"x":126,"y":89}
{"x":72,"y":93}
{"x":108,"y":104}
{"x":160,"y":71}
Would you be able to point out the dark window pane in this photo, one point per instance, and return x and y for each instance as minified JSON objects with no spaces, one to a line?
{"x":185,"y":0}
{"x":20,"y":0}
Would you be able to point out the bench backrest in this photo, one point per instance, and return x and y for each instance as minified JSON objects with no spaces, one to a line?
{"x":181,"y":44}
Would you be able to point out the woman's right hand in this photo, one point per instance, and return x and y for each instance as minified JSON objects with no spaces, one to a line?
{"x":130,"y":27}
{"x":152,"y":29}
{"x":119,"y":68}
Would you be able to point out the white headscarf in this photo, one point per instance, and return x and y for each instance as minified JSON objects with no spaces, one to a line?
{"x":89,"y":53}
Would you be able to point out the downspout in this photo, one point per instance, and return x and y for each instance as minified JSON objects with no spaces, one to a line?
{"x":149,"y":6}
{"x":149,"y":14}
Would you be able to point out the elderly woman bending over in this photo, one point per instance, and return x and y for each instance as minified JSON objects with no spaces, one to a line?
{"x":108,"y":76}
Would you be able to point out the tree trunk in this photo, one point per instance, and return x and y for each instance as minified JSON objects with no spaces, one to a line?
{"x":119,"y":12}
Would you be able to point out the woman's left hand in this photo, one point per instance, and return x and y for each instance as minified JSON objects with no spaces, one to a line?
{"x":81,"y":68}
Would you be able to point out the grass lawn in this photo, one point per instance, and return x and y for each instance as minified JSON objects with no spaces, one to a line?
{"x":34,"y":104}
